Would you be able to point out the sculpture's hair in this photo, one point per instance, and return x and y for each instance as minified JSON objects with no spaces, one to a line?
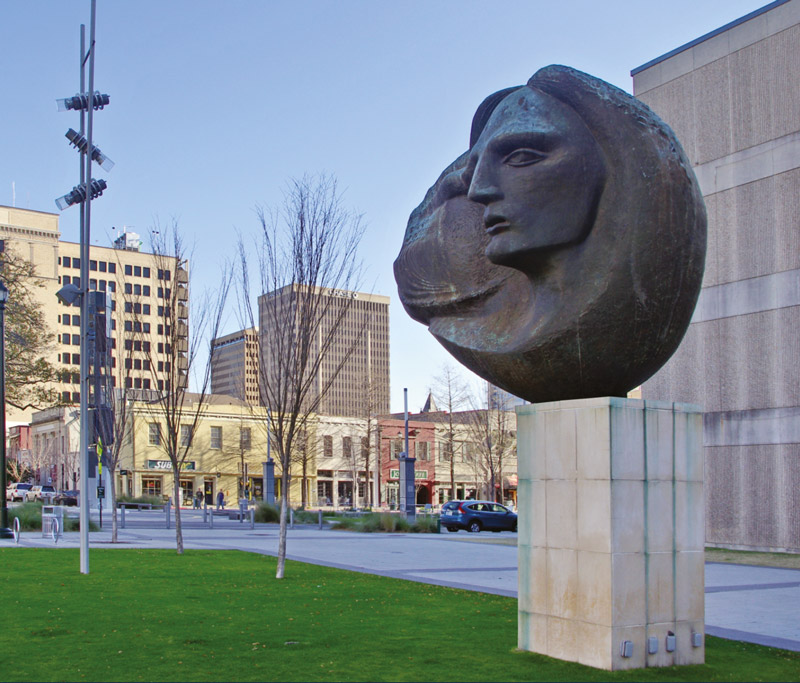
{"x":485,"y":110}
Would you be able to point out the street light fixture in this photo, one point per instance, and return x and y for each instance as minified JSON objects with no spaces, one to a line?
{"x":5,"y":532}
{"x":80,"y":102}
{"x":78,"y":194}
{"x":81,"y":143}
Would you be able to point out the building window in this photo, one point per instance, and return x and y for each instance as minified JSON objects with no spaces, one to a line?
{"x":128,"y":270}
{"x":327,"y":446}
{"x":112,"y":267}
{"x":364,"y":447}
{"x":92,"y":265}
{"x":422,"y":450}
{"x":186,"y":435}
{"x":137,"y":290}
{"x":468,"y":452}
{"x":244,"y":438}
{"x":347,"y":447}
{"x":102,"y":265}
{"x":76,"y":340}
{"x":216,"y":438}
{"x":137,"y":271}
{"x":446,"y":452}
{"x":145,"y":272}
{"x":397,"y":448}
{"x":154,"y":433}
{"x":151,"y":487}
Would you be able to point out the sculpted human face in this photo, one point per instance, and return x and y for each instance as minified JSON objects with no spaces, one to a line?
{"x":539,"y":172}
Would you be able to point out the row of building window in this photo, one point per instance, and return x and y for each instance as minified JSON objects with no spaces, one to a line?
{"x":102,"y":266}
{"x":101,"y":285}
{"x":215,"y":441}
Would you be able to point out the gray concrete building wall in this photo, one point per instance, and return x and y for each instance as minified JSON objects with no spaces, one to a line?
{"x":733,"y":99}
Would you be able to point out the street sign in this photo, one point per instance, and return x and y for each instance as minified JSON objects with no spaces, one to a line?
{"x":101,"y":492}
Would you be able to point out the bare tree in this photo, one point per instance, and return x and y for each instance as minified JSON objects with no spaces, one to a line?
{"x":450,"y":391}
{"x":368,"y":412}
{"x":491,"y":431}
{"x":177,"y":355}
{"x":307,"y":258}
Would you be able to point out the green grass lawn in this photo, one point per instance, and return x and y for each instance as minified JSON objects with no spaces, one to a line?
{"x":151,"y":615}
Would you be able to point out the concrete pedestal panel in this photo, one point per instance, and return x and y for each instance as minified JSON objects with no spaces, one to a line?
{"x":611,"y":532}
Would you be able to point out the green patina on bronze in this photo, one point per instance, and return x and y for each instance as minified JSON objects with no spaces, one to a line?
{"x":561,"y":256}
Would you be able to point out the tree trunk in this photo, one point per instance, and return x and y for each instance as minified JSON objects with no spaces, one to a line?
{"x":452,"y":473}
{"x":303,"y":497}
{"x":177,"y":493}
{"x":284,"y":515}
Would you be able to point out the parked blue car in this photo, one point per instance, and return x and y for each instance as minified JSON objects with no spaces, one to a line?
{"x":477,"y":515}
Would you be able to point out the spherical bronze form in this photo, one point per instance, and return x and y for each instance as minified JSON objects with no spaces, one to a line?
{"x":562,"y":255}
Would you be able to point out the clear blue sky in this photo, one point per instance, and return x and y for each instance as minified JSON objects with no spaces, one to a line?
{"x":214,"y":104}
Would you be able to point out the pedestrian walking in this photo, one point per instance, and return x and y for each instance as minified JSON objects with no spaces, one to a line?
{"x":220,"y":500}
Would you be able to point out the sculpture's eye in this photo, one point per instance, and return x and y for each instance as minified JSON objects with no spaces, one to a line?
{"x":523,"y":157}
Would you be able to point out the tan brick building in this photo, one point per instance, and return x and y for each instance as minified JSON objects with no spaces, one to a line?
{"x":138,"y":288}
{"x":234,"y":365}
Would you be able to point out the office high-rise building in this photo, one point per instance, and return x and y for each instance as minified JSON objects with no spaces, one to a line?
{"x":234,"y":365}
{"x":360,"y":346}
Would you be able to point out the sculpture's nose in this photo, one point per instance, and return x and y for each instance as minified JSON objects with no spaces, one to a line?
{"x":482,"y":186}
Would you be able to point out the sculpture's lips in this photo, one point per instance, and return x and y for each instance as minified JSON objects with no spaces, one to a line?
{"x":495,"y":224}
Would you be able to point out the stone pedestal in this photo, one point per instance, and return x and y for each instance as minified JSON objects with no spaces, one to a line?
{"x":611,"y":532}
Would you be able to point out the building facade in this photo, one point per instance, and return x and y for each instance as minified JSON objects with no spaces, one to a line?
{"x":360,"y":346}
{"x":139,"y":286}
{"x":479,"y":444}
{"x":234,"y":365}
{"x":732,"y":99}
{"x":226,"y":454}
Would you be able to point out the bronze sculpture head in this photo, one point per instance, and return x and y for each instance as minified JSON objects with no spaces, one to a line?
{"x":561,"y":256}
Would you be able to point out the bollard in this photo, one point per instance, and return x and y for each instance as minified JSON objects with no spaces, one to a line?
{"x":211,"y":518}
{"x":291,"y":518}
{"x":122,"y":516}
{"x":252,"y":518}
{"x":166,"y":509}
{"x":241,"y":512}
{"x":320,"y":519}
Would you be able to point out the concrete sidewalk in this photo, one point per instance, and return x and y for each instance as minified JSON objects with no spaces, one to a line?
{"x":754,"y":604}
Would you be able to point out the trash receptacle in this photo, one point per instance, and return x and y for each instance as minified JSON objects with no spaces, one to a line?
{"x":49,"y":514}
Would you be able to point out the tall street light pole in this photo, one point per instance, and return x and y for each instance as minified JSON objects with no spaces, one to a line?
{"x":89,"y":188}
{"x":5,"y":532}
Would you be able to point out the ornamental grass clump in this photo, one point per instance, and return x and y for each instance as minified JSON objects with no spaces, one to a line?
{"x":29,"y":516}
{"x":266,"y":512}
{"x":142,"y":500}
{"x":426,"y":525}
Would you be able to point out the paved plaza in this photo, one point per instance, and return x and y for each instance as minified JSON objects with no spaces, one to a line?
{"x":754,"y":604}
